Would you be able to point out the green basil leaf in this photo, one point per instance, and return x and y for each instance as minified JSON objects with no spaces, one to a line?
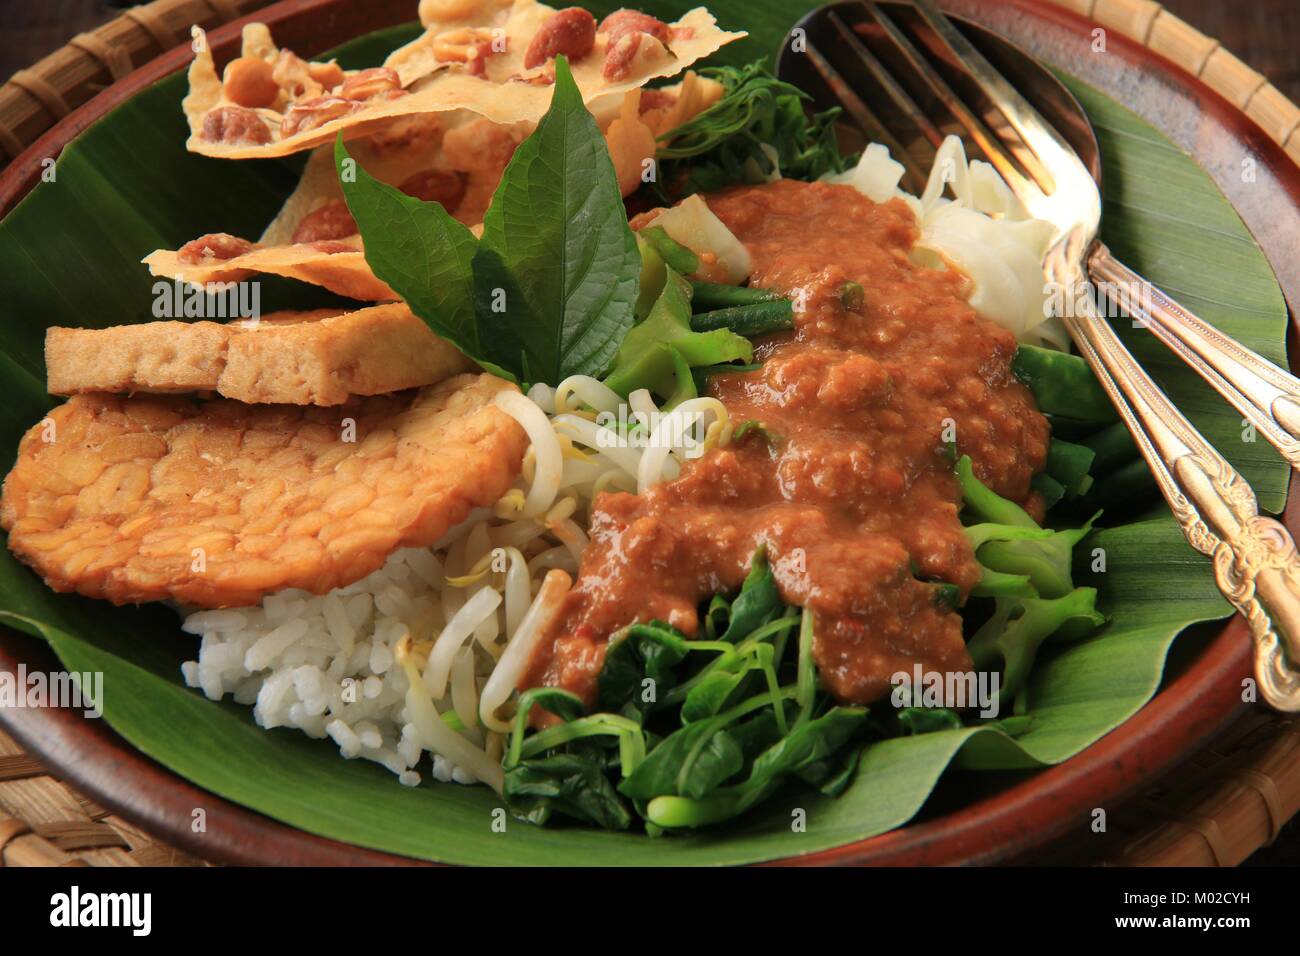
{"x":557,"y":269}
{"x":422,"y":253}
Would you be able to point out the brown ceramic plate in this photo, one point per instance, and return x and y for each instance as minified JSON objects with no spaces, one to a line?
{"x":1200,"y":692}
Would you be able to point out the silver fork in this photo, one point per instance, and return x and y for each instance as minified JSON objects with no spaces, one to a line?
{"x":1255,"y":560}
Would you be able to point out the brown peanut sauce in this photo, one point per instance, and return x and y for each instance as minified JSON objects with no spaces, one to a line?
{"x":855,"y":500}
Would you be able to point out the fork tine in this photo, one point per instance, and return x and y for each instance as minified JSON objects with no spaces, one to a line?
{"x":863,"y":117}
{"x":896,"y":92}
{"x":984,"y":138}
{"x":1048,"y":146}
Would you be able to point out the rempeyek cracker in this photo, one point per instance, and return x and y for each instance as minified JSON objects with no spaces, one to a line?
{"x":454,"y":158}
{"x":491,"y":58}
{"x":338,"y":265}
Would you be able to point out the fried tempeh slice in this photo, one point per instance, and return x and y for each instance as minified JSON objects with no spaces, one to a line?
{"x":216,"y":504}
{"x":293,"y":358}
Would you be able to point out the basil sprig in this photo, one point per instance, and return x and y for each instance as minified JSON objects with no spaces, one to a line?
{"x":550,"y":288}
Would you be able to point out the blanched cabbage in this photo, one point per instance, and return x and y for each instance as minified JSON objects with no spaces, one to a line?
{"x":983,"y":231}
{"x":692,"y":223}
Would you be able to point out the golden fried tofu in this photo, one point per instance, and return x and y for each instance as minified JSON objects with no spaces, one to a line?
{"x":218,"y":503}
{"x":293,"y":358}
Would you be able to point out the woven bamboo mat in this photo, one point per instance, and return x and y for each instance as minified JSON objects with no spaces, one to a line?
{"x":45,"y":823}
{"x":1218,"y":808}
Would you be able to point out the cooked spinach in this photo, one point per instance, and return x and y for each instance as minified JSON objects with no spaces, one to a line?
{"x":691,"y":731}
{"x":759,"y":128}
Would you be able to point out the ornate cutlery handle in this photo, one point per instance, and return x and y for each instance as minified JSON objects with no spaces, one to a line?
{"x":1257,"y":569}
{"x":1266,"y":396}
{"x":1255,"y":561}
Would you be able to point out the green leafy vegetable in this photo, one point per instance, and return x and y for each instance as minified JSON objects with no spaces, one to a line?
{"x":561,"y":703}
{"x":759,"y":318}
{"x":731,"y":732}
{"x":709,"y":696}
{"x":639,"y":666}
{"x":573,"y":784}
{"x":420,"y":251}
{"x":693,"y":760}
{"x":806,"y":746}
{"x":1012,"y":636}
{"x":758,"y":128}
{"x":659,"y":352}
{"x":556,"y":272}
{"x":673,"y":253}
{"x":1063,"y":384}
{"x":707,"y":296}
{"x":551,"y":288}
{"x":758,"y":602}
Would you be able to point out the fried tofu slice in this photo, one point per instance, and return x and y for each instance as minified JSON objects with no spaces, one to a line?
{"x":216,"y":504}
{"x":292,"y":358}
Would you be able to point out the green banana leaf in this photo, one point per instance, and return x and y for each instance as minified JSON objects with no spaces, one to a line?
{"x":71,"y":254}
